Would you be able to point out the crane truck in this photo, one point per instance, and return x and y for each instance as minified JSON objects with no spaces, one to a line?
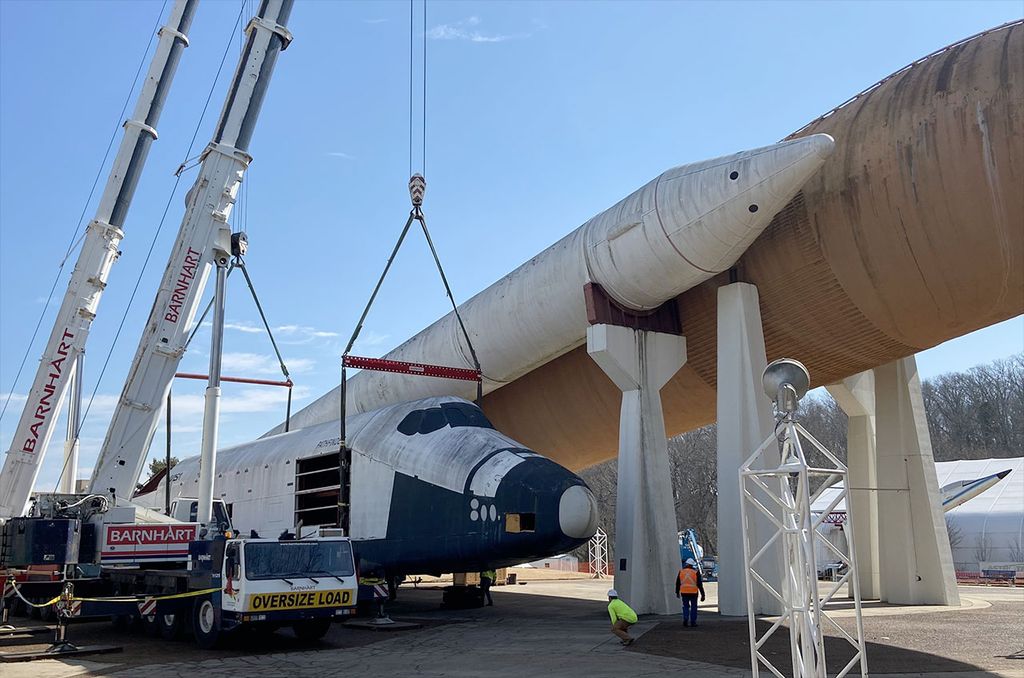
{"x":109,"y":556}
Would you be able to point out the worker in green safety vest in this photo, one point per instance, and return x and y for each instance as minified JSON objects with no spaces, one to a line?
{"x":622,"y":616}
{"x":486,"y":581}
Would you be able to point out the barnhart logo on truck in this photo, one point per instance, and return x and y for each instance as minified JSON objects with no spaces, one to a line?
{"x":151,"y":534}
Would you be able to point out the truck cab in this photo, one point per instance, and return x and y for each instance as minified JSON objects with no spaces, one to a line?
{"x":306,"y":584}
{"x":185,"y":509}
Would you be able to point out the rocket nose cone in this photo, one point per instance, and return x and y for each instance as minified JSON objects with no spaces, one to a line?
{"x":577,"y":513}
{"x":822,"y":145}
{"x":735,"y":199}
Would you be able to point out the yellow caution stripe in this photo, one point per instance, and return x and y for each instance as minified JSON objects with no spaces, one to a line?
{"x":113,"y":599}
{"x":137,"y":598}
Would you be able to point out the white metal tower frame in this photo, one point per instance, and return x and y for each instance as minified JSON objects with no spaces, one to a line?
{"x":598,"y":547}
{"x":788,"y":493}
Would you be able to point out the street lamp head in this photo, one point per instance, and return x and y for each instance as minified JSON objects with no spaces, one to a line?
{"x":786,"y":381}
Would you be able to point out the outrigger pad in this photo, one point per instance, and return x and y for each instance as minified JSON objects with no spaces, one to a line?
{"x":377,"y":625}
{"x":58,"y":651}
{"x":7,"y":630}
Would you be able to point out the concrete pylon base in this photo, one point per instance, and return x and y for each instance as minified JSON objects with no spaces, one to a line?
{"x":744,"y":422}
{"x":915,"y":560}
{"x":856,"y":397}
{"x":646,"y":561}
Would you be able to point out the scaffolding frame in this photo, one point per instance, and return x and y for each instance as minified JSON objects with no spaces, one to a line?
{"x":598,"y":548}
{"x":784,"y":491}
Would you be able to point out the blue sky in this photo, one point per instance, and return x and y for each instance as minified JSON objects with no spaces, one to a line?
{"x":539,"y":116}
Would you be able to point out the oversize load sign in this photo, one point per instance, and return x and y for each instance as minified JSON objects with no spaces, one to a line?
{"x":295,"y":600}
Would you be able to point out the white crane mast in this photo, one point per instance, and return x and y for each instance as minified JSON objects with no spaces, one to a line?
{"x":204,"y":241}
{"x":99,"y":251}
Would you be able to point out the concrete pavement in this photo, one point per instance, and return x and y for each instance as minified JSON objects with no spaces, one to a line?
{"x":549,"y":629}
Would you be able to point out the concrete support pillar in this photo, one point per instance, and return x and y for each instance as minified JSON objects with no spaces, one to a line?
{"x":646,"y":535}
{"x":916,"y":563}
{"x":744,"y":421}
{"x":856,"y":397}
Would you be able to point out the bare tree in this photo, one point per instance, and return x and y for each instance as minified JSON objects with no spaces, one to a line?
{"x":956,"y":533}
{"x":982,"y":548}
{"x":1017,"y":550}
{"x":694,"y":468}
{"x":978,"y":413}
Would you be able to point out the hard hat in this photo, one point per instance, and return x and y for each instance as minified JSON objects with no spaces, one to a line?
{"x":691,"y":561}
{"x":612,"y":593}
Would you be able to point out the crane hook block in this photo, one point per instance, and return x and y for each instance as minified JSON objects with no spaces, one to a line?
{"x":239,"y":243}
{"x":417,"y":188}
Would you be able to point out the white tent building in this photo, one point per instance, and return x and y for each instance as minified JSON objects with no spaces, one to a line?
{"x":985,"y":531}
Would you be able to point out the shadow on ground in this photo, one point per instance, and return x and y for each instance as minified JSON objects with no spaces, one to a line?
{"x":724,"y":641}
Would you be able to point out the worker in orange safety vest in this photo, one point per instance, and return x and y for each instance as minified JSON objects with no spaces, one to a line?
{"x":688,"y":585}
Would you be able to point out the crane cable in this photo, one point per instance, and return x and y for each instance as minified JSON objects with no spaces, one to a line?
{"x":423,"y":91}
{"x":239,"y":263}
{"x":417,"y":188}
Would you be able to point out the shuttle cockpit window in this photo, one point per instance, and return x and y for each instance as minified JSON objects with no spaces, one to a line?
{"x":433,"y":420}
{"x":464,"y":414}
{"x":449,"y":414}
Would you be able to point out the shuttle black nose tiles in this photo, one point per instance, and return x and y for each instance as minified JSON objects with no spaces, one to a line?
{"x":538,"y":509}
{"x":546,"y":507}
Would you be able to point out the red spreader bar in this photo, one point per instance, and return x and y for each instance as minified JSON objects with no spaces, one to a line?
{"x":236,"y":380}
{"x":400,"y":367}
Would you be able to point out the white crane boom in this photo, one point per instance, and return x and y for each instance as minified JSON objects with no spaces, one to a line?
{"x":204,"y":241}
{"x":99,"y":251}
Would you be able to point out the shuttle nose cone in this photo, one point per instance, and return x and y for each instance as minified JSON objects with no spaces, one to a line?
{"x":577,"y":513}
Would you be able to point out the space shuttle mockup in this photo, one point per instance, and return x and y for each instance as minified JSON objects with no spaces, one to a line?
{"x":434,"y":488}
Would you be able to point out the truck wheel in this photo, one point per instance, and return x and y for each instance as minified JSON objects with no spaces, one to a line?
{"x":170,"y":626}
{"x":312,"y":629}
{"x":206,"y":624}
{"x":150,"y":625}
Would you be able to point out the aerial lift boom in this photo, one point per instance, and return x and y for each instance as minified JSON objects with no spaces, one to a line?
{"x":99,"y":251}
{"x":203,"y":243}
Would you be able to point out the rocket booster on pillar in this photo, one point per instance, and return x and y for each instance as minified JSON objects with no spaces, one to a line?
{"x":687,"y":225}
